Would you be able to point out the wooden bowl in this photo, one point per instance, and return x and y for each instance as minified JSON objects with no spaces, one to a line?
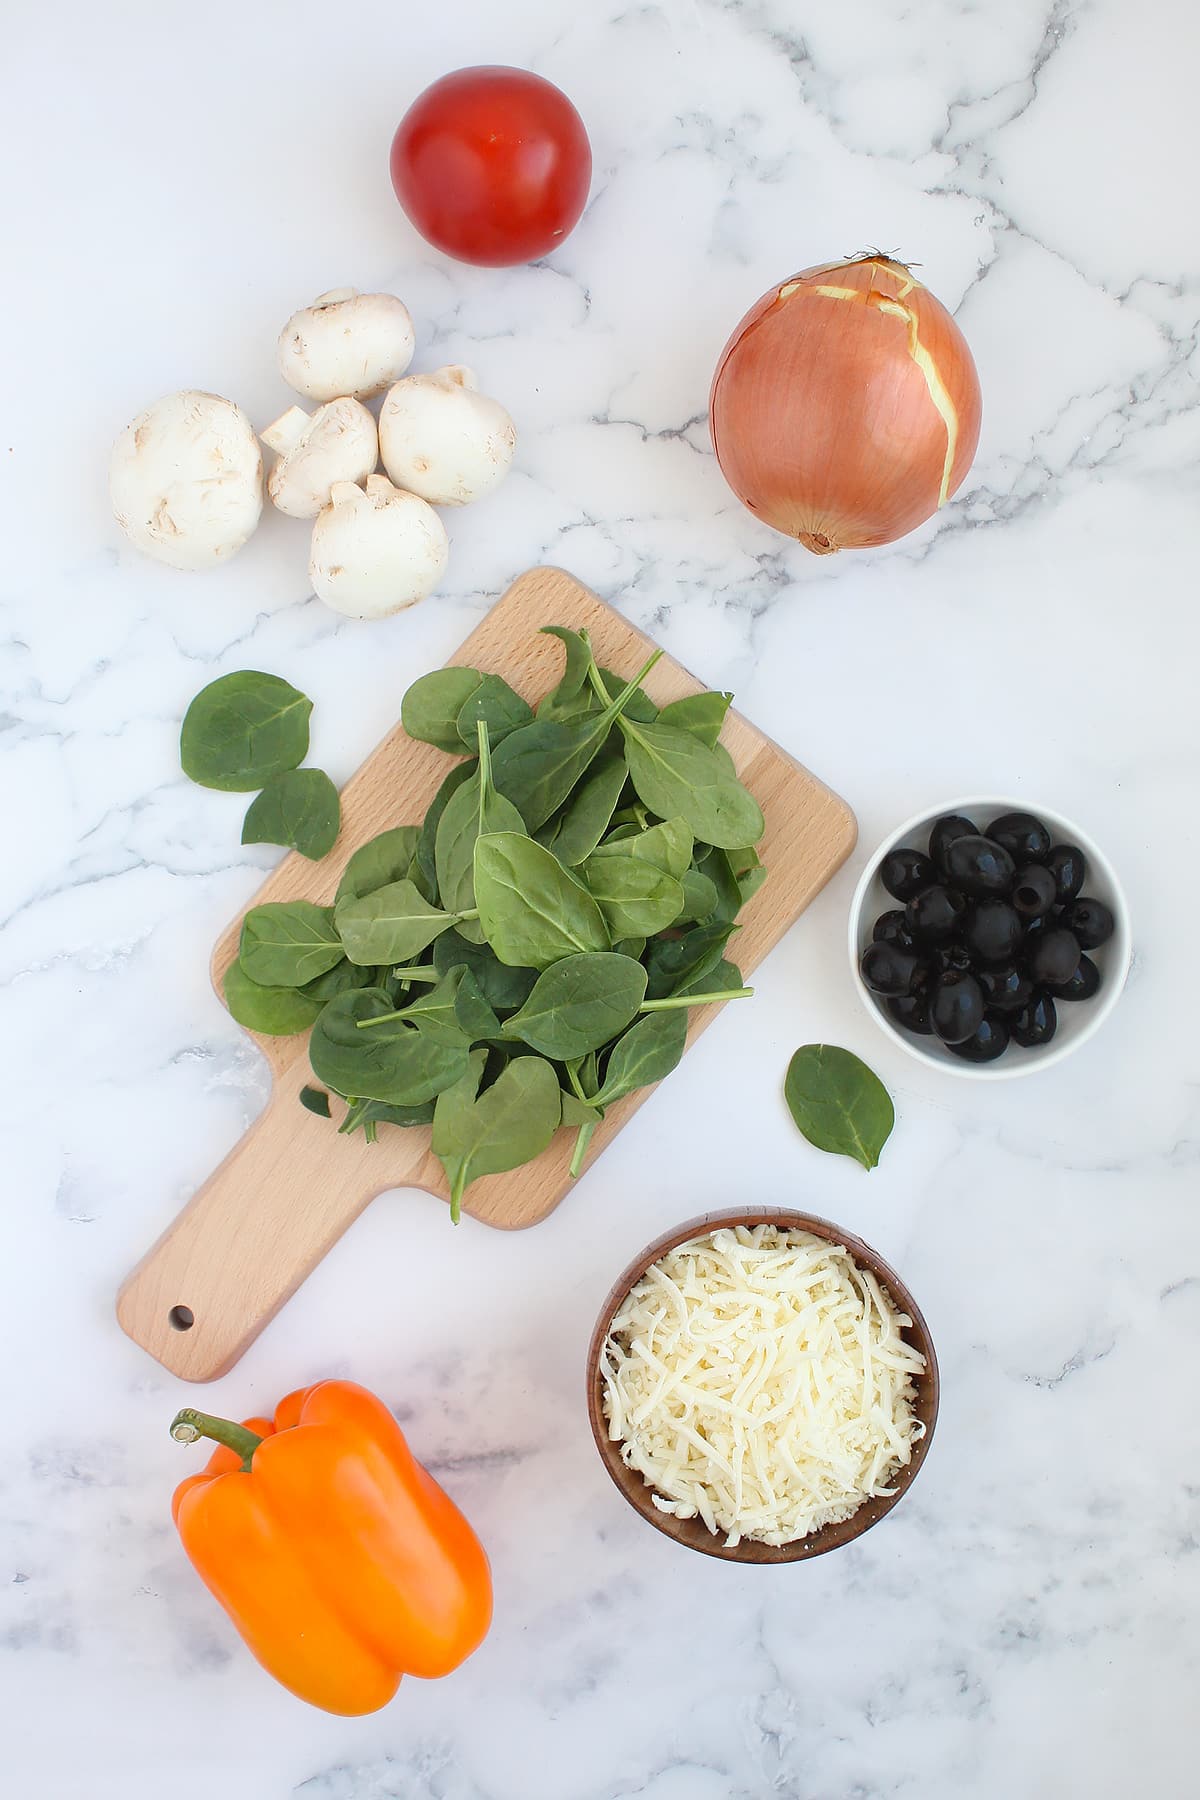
{"x":693,"y":1533}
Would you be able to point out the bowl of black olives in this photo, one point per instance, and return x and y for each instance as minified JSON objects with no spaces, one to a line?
{"x":989,"y":938}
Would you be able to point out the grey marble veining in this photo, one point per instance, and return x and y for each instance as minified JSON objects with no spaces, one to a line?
{"x":1024,"y":1627}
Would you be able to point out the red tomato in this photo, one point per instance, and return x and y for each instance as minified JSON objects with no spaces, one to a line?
{"x":492,"y":165}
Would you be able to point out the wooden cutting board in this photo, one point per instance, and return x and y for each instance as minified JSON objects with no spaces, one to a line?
{"x":290,"y":1188}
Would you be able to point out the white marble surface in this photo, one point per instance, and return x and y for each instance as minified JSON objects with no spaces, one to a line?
{"x":174,"y":182}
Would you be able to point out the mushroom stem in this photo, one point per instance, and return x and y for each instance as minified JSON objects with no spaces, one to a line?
{"x":286,"y":432}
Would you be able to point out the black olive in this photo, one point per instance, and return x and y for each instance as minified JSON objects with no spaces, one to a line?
{"x":910,"y":1011}
{"x":1035,"y":891}
{"x":1083,"y":984}
{"x":935,"y":914}
{"x":892,"y":928}
{"x":979,"y":866}
{"x":956,"y":1009}
{"x":1068,"y":868}
{"x":992,"y":931}
{"x":886,"y":969}
{"x":1090,"y":921}
{"x":1054,"y":957}
{"x":1036,"y":1023}
{"x":905,"y":872}
{"x":985,"y":1044}
{"x":950,"y":958}
{"x":1024,"y":837}
{"x":1005,"y":990}
{"x":949,"y":827}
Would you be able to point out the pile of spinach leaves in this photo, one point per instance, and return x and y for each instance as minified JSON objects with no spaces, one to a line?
{"x":525,"y":956}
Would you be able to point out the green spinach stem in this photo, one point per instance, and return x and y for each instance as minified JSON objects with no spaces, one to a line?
{"x":485,"y":770}
{"x":623,"y":698}
{"x":677,"y":1000}
{"x":583,"y":1139}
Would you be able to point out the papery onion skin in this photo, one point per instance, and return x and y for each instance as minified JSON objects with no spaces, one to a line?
{"x":845,"y":408}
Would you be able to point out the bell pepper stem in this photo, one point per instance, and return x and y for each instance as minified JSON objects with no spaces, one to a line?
{"x":188,"y":1425}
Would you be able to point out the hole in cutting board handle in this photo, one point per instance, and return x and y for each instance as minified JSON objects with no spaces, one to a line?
{"x":181,"y":1318}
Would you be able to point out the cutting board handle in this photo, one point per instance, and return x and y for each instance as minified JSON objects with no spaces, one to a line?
{"x":254,"y":1231}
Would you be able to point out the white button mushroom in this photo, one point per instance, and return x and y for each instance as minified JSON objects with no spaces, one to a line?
{"x":185,"y":480}
{"x":338,"y":442}
{"x":375,"y":550}
{"x":346,"y":343}
{"x":440,"y":438}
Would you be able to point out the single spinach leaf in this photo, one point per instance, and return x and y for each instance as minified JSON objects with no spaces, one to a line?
{"x":379,"y":862}
{"x":699,"y":899}
{"x":573,"y":680}
{"x":578,"y":1004}
{"x":668,"y":846}
{"x":578,"y":1112}
{"x":498,"y":706}
{"x":743,"y":860}
{"x":715,"y":866}
{"x":508,"y":1124}
{"x":424,"y":869}
{"x":750,"y":882}
{"x":455,"y":1006}
{"x":338,"y":980}
{"x":533,"y":911}
{"x":673,"y":965}
{"x":288,"y":942}
{"x":365,"y":1115}
{"x":503,"y":988}
{"x":636,"y":898}
{"x":430,"y":708}
{"x":584,"y":819}
{"x":275,"y":1011}
{"x":676,"y":775}
{"x":476,"y":1017}
{"x":537,"y":766}
{"x":474,"y":809}
{"x":649,"y":1050}
{"x":701,"y":714}
{"x":838,"y":1103}
{"x":299,"y":808}
{"x":315,"y":1100}
{"x":585,"y":701}
{"x":583,"y":1072}
{"x":394,"y":1062}
{"x":392,"y":925}
{"x":722,"y":977}
{"x":242,"y":729}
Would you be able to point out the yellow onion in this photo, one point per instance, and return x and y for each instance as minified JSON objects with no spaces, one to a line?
{"x":845,"y":408}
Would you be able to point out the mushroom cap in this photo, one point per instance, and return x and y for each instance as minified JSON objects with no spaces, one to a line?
{"x":338,"y":443}
{"x":185,"y":479}
{"x":375,"y":550}
{"x":346,"y":343}
{"x":442,"y":439}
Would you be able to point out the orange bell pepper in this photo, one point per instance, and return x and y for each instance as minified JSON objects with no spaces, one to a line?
{"x":340,"y":1560}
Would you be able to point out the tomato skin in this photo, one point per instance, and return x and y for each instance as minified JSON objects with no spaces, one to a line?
{"x":492,"y":165}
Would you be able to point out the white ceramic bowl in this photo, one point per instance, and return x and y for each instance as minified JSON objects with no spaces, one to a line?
{"x":1077,"y":1020}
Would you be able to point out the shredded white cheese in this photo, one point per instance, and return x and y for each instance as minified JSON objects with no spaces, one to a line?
{"x":759,"y":1379}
